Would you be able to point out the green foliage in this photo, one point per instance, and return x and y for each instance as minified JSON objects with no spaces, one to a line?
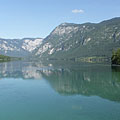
{"x":4,"y":58}
{"x":116,"y":57}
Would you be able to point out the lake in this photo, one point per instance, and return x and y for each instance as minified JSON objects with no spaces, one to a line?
{"x":64,"y":91}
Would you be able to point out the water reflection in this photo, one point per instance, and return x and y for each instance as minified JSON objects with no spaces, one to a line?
{"x":89,"y":83}
{"x":102,"y":81}
{"x":19,"y":69}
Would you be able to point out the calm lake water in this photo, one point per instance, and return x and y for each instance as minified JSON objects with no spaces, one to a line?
{"x":69,"y":91}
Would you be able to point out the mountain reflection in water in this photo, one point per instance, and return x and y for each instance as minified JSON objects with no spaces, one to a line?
{"x":96,"y":80}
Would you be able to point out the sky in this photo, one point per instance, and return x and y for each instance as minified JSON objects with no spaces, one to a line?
{"x":37,"y":18}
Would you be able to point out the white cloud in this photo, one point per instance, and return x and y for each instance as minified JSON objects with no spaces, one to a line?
{"x":77,"y":11}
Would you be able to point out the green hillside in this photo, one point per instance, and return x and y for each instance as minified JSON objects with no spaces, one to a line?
{"x":73,"y":41}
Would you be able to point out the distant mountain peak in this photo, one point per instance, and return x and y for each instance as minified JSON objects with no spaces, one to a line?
{"x":19,"y":47}
{"x":66,"y":24}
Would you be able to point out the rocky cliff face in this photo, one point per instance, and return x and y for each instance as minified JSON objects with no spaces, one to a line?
{"x":81,"y":40}
{"x":19,"y":47}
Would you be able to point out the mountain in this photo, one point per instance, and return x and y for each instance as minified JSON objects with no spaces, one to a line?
{"x":19,"y":47}
{"x":73,"y":41}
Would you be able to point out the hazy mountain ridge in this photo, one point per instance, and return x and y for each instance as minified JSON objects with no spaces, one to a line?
{"x":19,"y":47}
{"x":81,"y":40}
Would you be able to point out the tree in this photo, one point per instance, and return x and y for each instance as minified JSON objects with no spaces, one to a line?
{"x":116,"y":57}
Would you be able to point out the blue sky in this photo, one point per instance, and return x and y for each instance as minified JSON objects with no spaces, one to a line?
{"x":37,"y":18}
